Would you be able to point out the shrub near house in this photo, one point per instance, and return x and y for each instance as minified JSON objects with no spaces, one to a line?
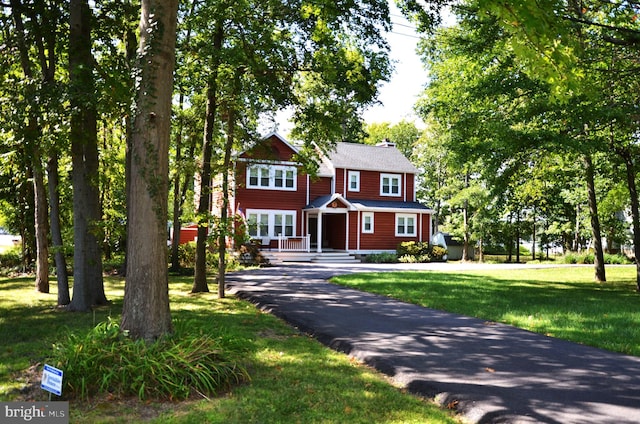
{"x":420,"y":252}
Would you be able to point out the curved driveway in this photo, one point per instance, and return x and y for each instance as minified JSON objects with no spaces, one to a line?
{"x":491,"y":373}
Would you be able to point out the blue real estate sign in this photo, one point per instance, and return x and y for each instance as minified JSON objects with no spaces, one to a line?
{"x":52,"y":380}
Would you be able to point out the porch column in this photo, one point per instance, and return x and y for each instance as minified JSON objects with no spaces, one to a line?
{"x":346,"y":242}
{"x":319,"y":233}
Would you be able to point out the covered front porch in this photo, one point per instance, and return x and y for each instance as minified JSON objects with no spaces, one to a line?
{"x":326,"y":222}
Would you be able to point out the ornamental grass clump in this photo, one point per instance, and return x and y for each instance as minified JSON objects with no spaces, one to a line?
{"x":107,"y":361}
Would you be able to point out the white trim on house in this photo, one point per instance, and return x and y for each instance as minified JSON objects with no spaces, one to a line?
{"x":391,"y":178}
{"x":371,"y":223}
{"x":355,"y":174}
{"x":272,"y":177}
{"x":271,"y":222}
{"x":405,"y":217}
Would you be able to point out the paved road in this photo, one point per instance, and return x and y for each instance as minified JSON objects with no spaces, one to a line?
{"x":493,"y":373}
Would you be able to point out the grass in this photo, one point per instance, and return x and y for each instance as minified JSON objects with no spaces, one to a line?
{"x":560,"y":302}
{"x":293,"y":378}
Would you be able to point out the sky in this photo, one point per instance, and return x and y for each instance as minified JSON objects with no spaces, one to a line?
{"x":398,"y":96}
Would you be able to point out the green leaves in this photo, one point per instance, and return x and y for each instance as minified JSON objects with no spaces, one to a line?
{"x":107,"y":360}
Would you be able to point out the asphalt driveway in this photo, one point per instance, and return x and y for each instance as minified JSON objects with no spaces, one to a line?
{"x":492,"y":373}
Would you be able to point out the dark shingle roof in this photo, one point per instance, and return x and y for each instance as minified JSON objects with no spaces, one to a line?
{"x":370,"y":158}
{"x":318,"y":202}
{"x":389,"y":204}
{"x":361,"y":204}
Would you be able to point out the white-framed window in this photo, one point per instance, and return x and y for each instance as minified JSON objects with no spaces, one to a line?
{"x":283,"y":224}
{"x":274,"y":177}
{"x":406,"y":224}
{"x":353,"y":180}
{"x":367,"y":222}
{"x":271,"y":223}
{"x":258,"y":224}
{"x":390,"y":185}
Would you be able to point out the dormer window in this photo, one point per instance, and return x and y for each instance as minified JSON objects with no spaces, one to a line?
{"x":390,"y":185}
{"x":354,"y":180}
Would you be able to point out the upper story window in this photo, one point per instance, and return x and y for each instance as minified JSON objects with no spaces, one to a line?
{"x":275,"y":177}
{"x":390,"y":185}
{"x":354,"y":180}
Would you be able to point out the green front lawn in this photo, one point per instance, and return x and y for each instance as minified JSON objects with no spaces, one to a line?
{"x":293,"y":378}
{"x":560,"y":302}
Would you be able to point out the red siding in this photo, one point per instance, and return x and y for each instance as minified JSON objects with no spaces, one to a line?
{"x":335,"y":225}
{"x":370,"y":187}
{"x":257,"y":198}
{"x":252,"y":198}
{"x":426,"y":227}
{"x":320,"y":187}
{"x":341,"y":176}
{"x":384,"y":238}
{"x":270,"y":149}
{"x":410,"y":187}
{"x":354,"y":229}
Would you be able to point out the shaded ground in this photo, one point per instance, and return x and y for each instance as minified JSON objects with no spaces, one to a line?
{"x":490,"y":372}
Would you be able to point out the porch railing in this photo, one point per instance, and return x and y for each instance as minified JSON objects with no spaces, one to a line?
{"x":294,"y":244}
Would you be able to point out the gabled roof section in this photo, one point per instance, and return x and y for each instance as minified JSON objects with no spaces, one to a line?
{"x":364,"y":157}
{"x":272,"y":147}
{"x":332,"y":201}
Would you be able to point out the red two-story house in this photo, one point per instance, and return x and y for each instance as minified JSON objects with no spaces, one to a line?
{"x":363,"y":199}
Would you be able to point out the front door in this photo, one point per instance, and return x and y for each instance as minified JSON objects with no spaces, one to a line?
{"x":313,"y":231}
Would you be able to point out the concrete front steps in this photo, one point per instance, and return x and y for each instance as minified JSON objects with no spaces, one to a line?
{"x":314,"y":257}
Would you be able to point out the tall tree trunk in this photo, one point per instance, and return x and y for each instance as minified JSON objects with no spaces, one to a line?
{"x":42,"y":225}
{"x":177,"y":197}
{"x":576,"y":240}
{"x":131,"y":46}
{"x":146,"y":313}
{"x":88,"y":285}
{"x":56,"y":232}
{"x":224,"y":208}
{"x":628,"y":158}
{"x":204,"y":204}
{"x":177,"y":201}
{"x":533,"y":244}
{"x":598,"y":261}
{"x":510,"y":245}
{"x":33,"y":135}
{"x":465,"y":217}
{"x":518,"y":237}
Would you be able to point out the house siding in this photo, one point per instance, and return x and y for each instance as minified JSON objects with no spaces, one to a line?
{"x":410,"y":188}
{"x":319,"y":187}
{"x":270,"y":149}
{"x":354,"y":230}
{"x":370,"y":186}
{"x":384,"y":237}
{"x":341,"y":223}
{"x":275,"y":151}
